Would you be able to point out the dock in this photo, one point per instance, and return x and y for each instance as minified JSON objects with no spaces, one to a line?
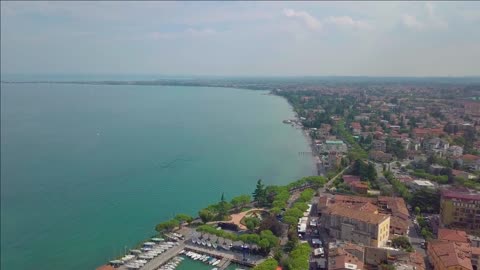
{"x":226,"y":257}
{"x":224,"y":263}
{"x":160,"y":259}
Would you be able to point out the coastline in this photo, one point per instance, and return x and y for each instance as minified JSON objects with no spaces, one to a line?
{"x":310,"y":141}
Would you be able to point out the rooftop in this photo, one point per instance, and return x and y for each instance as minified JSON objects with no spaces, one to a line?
{"x":452,"y":235}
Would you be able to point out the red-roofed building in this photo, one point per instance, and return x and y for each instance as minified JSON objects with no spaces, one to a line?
{"x":453,"y":236}
{"x":458,"y":209}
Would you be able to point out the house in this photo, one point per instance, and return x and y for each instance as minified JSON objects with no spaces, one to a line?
{"x":356,"y":128}
{"x":470,"y":161}
{"x":379,"y":145}
{"x":454,"y":151}
{"x":463,"y":174}
{"x":380,"y":156}
{"x":452,"y":235}
{"x":444,"y":255}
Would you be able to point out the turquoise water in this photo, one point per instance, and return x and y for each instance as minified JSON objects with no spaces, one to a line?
{"x":89,"y":170}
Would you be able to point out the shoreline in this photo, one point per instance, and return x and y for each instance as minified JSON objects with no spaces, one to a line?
{"x":310,"y":141}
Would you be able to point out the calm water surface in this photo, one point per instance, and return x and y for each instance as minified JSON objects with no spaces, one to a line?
{"x":87,"y":170}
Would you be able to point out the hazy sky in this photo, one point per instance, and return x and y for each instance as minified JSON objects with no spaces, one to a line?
{"x":242,"y":38}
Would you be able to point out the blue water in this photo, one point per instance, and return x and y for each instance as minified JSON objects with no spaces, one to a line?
{"x":87,"y":170}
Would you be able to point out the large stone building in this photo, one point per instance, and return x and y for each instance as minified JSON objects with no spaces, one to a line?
{"x":358,"y":223}
{"x":460,"y":209}
{"x":395,"y":207}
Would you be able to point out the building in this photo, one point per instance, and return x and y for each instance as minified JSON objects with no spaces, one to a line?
{"x":453,"y":236}
{"x":355,"y":184}
{"x":342,"y":258}
{"x":395,"y":207}
{"x":333,"y":145}
{"x":470,"y":161}
{"x":472,"y":108}
{"x":454,"y":151}
{"x":357,"y":223}
{"x":460,"y":209}
{"x":379,"y":145}
{"x":380,"y":156}
{"x":420,"y":184}
{"x":444,"y":255}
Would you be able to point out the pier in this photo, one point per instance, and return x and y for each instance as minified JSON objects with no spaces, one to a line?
{"x":224,"y":263}
{"x":160,"y":259}
{"x":227,"y":257}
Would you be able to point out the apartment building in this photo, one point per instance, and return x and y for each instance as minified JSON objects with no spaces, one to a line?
{"x":460,"y":209}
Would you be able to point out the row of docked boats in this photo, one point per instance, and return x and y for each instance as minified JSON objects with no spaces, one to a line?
{"x":139,"y":257}
{"x":203,"y":258}
{"x":204,"y":243}
{"x":172,"y":264}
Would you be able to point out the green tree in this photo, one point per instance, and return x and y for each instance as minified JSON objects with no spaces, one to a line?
{"x":241,"y":201}
{"x":417,"y":210}
{"x":206,"y":215}
{"x":183,"y":218}
{"x":222,"y":208}
{"x":167,"y":225}
{"x":268,"y":264}
{"x":260,"y":194}
{"x":251,"y":222}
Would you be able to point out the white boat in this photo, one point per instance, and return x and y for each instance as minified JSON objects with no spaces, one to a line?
{"x":215,"y":263}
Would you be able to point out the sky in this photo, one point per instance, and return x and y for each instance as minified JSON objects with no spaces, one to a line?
{"x":379,"y":38}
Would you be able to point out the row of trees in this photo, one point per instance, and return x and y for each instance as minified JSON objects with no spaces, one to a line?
{"x":221,"y":210}
{"x":173,"y":223}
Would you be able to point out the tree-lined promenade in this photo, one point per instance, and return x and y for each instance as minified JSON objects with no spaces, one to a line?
{"x":279,"y":219}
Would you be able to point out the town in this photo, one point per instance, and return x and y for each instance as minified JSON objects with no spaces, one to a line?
{"x":397,"y":188}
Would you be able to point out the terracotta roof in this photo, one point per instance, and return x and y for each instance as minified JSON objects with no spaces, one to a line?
{"x":350,"y":178}
{"x":340,"y":257}
{"x":397,"y":206}
{"x":451,"y":254}
{"x":460,"y":194}
{"x":470,"y":157}
{"x":400,"y":223}
{"x":353,"y":199}
{"x":452,"y":235}
{"x":367,"y":217}
{"x":366,"y":207}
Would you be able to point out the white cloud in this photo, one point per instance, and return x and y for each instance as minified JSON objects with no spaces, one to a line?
{"x":347,"y":21}
{"x":430,"y":20}
{"x":311,"y":22}
{"x":412,"y":22}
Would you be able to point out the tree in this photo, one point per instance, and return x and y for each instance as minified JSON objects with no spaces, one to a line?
{"x":241,"y":201}
{"x":222,"y":208}
{"x":183,"y":218}
{"x":298,"y":259}
{"x":251,"y":222}
{"x":206,"y":215}
{"x":268,"y":264}
{"x":401,"y":242}
{"x":272,"y":224}
{"x":417,"y":210}
{"x":167,"y":225}
{"x":260,"y":194}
